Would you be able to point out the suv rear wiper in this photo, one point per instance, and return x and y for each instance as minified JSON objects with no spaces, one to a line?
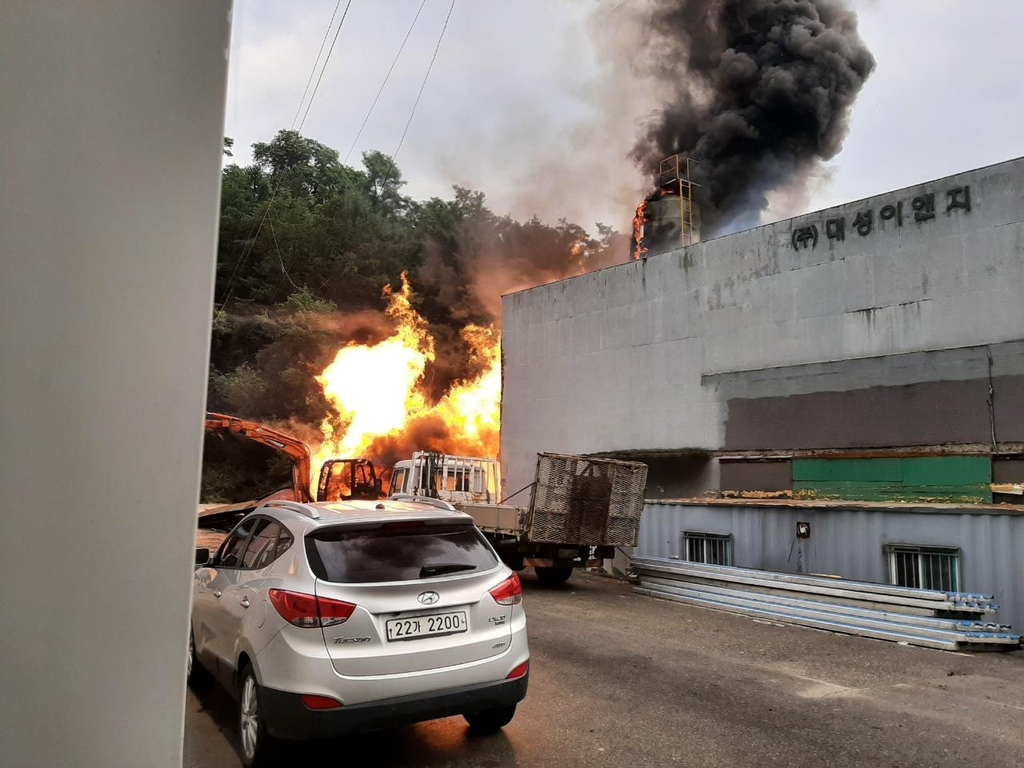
{"x":437,"y":570}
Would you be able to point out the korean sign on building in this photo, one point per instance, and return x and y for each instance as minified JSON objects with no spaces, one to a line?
{"x":922,"y":208}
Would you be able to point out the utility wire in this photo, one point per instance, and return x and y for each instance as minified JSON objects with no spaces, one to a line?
{"x":251,"y":244}
{"x":246,"y":253}
{"x":326,"y":60}
{"x":386,"y":78}
{"x":423,"y":85}
{"x":280,"y":258}
{"x":315,"y":63}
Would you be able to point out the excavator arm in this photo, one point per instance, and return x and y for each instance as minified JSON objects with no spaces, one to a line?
{"x":294,"y":449}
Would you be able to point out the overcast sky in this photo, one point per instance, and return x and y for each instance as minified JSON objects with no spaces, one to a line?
{"x":518,"y":104}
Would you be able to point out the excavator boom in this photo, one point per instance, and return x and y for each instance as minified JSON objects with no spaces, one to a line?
{"x":294,"y":449}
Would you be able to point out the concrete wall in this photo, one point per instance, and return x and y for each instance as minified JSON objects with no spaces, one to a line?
{"x":110,"y":155}
{"x":851,"y":542}
{"x":675,"y":351}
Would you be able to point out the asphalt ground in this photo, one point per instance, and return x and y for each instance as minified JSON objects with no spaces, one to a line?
{"x":620,"y":679}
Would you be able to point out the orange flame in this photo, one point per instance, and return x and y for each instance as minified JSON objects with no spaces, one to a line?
{"x":472,"y":407}
{"x":378,"y":394}
{"x":638,"y":230}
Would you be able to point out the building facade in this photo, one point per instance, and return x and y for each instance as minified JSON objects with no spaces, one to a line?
{"x":872,"y":352}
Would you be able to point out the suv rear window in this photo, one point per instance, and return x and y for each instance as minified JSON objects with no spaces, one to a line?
{"x":397,"y":554}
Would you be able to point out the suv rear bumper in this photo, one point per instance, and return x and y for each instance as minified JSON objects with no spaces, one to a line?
{"x":288,"y":718}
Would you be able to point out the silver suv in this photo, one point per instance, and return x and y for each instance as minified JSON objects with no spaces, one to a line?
{"x":322,"y":619}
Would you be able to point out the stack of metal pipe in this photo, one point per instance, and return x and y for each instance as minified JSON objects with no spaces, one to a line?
{"x":930,"y":618}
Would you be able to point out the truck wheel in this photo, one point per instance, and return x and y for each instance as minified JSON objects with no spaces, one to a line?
{"x":553,"y":575}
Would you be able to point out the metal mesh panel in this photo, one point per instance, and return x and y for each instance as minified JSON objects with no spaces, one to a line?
{"x":586,"y":502}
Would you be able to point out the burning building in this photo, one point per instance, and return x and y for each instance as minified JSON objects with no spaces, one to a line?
{"x":666,"y":218}
{"x":756,"y":94}
{"x":859,"y":369}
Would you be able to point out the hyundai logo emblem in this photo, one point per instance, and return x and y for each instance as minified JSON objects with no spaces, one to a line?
{"x":429,"y":598}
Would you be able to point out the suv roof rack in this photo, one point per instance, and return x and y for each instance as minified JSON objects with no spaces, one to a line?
{"x":438,"y":503}
{"x":303,"y":509}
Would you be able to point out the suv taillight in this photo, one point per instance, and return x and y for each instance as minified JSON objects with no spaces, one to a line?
{"x":309,"y":611}
{"x":519,"y":671}
{"x":509,"y":592}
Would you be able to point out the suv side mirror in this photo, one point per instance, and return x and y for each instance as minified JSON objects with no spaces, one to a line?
{"x":202,"y":555}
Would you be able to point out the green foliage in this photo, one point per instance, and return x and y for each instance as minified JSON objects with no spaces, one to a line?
{"x":304,"y":301}
{"x":383,"y":182}
{"x":222,"y":483}
{"x":242,"y":390}
{"x":240,"y":470}
{"x":304,"y":168}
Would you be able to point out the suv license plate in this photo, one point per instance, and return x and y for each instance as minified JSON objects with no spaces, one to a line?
{"x":425,"y":626}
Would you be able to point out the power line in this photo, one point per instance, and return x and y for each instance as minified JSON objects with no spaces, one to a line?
{"x":326,"y":61}
{"x":386,"y":78}
{"x":416,"y":103}
{"x":313,"y":70}
{"x":280,"y":258}
{"x":423,"y":85}
{"x":246,"y":253}
{"x":251,"y":244}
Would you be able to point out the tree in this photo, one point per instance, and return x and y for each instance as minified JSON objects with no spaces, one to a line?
{"x":304,"y":168}
{"x":383,"y":181}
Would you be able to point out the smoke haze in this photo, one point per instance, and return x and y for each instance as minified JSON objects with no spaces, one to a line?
{"x":759,"y":92}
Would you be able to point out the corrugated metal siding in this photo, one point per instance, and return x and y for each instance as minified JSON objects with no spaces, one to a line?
{"x":851,"y":542}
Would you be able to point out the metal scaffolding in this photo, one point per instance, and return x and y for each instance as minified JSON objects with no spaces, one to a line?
{"x":674,"y":179}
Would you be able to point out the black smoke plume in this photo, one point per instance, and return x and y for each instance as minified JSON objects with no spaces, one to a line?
{"x":758,"y":92}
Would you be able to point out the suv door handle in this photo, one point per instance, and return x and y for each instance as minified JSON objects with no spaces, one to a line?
{"x":245,"y":602}
{"x":217,"y":593}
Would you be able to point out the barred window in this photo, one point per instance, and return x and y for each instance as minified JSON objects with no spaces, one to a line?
{"x":925,"y":567}
{"x":710,"y":548}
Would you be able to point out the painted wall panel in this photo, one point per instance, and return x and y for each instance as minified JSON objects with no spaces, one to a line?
{"x":963,"y":479}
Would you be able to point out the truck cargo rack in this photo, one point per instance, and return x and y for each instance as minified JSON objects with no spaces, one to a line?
{"x":581,"y":500}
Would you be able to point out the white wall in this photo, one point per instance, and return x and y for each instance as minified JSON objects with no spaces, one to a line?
{"x":111,"y":117}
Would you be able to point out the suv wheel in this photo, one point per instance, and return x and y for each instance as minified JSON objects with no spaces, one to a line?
{"x":257,"y":745}
{"x":195,"y":673}
{"x":489,"y":720}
